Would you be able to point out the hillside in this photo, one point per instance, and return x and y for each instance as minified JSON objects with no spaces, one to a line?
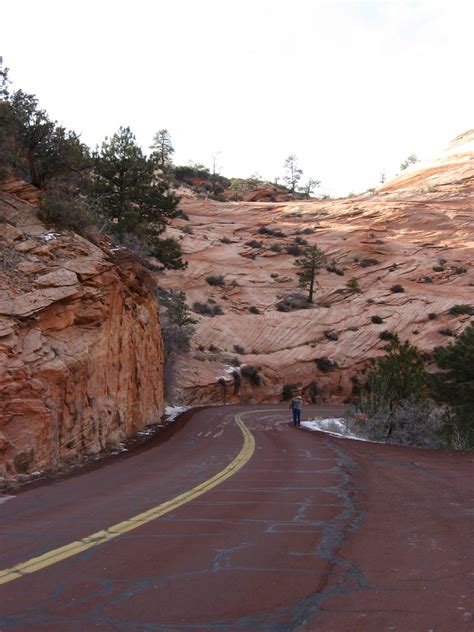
{"x":416,"y":231}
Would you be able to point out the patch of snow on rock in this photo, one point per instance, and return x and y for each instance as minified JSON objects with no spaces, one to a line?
{"x":49,"y":236}
{"x":333,"y":425}
{"x":171,"y":412}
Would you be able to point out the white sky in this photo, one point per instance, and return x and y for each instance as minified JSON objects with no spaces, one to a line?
{"x":350,"y":87}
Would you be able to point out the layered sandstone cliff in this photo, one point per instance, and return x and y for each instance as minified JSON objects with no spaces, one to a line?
{"x":416,"y":232}
{"x":80,"y":345}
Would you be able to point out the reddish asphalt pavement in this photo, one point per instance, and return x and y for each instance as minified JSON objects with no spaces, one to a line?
{"x":313,"y":533}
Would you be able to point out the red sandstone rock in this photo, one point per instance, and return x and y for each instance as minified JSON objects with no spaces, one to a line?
{"x":80,"y":347}
{"x":407,"y":227}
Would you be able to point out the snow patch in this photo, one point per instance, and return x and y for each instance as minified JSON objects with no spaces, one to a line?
{"x":335,"y":426}
{"x":171,"y":412}
{"x":3,"y":499}
{"x":49,"y":236}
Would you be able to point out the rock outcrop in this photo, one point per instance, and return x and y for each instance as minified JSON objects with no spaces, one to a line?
{"x":415,"y":232}
{"x":80,"y":345}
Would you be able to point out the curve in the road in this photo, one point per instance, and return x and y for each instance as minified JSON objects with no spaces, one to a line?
{"x":100,"y":537}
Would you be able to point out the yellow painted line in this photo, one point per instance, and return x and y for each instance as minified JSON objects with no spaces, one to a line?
{"x":79,"y":546}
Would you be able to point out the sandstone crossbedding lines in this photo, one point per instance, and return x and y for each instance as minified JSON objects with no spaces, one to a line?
{"x":419,"y":228}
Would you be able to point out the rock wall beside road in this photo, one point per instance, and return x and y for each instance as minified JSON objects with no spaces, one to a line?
{"x":81,"y":357}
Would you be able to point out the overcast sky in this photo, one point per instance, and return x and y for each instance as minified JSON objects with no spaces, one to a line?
{"x":351,"y":88}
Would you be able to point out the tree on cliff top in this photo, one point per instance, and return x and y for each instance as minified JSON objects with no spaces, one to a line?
{"x":32,"y":145}
{"x":411,"y":160}
{"x":131,"y":197}
{"x":309,"y":263}
{"x":162,"y":148}
{"x":293,"y":172}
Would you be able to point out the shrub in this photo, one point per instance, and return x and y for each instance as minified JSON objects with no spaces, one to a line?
{"x":214,"y":349}
{"x":446,"y":332}
{"x":275,"y":248}
{"x":65,"y":212}
{"x":207,"y":309}
{"x":331,"y":335}
{"x":366,"y":263}
{"x":313,"y":392}
{"x":301,"y":241}
{"x":411,"y":422}
{"x":331,"y":267}
{"x":325,"y":364}
{"x":264,"y":230}
{"x":188,"y":230}
{"x":226,"y":240}
{"x":239,"y":349}
{"x":377,"y":320}
{"x":427,"y":279}
{"x":274,"y":275}
{"x":309,"y":231}
{"x":287,"y":391}
{"x":353,"y":285}
{"x":279,"y":233}
{"x":254,"y":243}
{"x":215,"y":279}
{"x":294,"y":249}
{"x":387,"y":335}
{"x":438,"y":268}
{"x":397,"y":288}
{"x":252,"y":374}
{"x":460,"y":310}
{"x":459,"y":270}
{"x":237,"y":381}
{"x":432,"y":316}
{"x":292,"y":302}
{"x":254,"y":310}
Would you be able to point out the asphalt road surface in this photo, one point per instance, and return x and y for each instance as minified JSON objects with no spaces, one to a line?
{"x":238,"y":521}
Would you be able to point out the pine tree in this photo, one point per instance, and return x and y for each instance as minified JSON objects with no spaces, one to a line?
{"x":293,"y":172}
{"x":454,"y":385}
{"x":309,"y":263}
{"x":400,"y":373}
{"x":162,"y":148}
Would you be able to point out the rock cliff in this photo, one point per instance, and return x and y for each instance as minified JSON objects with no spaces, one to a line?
{"x":80,"y":345}
{"x":408,"y":244}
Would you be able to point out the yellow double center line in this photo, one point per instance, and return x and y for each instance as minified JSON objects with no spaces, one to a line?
{"x":79,"y":546}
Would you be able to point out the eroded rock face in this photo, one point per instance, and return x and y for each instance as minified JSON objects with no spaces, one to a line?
{"x":80,"y":345}
{"x":416,"y":232}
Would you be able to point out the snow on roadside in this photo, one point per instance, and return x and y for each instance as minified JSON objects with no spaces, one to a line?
{"x":171,"y":412}
{"x":335,"y":426}
{"x":3,"y":499}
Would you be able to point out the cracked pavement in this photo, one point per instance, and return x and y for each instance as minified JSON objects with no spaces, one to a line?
{"x":313,"y":533}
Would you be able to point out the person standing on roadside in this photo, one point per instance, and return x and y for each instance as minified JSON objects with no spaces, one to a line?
{"x":296,"y":407}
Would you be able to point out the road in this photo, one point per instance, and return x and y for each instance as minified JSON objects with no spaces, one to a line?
{"x":238,"y":521}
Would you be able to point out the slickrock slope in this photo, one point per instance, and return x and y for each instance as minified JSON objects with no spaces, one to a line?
{"x":80,"y":345}
{"x":416,"y":231}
